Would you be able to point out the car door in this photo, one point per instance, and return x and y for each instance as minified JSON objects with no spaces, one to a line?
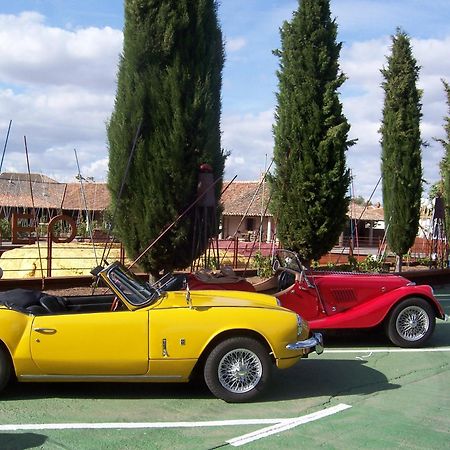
{"x":107,"y":343}
{"x":302,"y":299}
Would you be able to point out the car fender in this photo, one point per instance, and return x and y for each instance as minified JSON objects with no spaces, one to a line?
{"x":373,"y":312}
{"x":188,"y":332}
{"x":14,"y":334}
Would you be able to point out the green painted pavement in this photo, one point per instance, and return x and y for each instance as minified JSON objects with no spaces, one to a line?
{"x":399,"y":400}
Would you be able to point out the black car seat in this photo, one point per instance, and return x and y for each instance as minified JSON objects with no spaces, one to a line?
{"x":53,"y":304}
{"x":36,"y":310}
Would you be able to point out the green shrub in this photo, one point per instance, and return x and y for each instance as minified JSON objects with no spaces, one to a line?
{"x":5,"y":229}
{"x":263,"y":265}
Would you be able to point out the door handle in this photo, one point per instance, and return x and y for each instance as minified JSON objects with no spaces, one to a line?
{"x":45,"y":330}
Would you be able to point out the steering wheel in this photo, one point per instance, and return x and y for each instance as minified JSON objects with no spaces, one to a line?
{"x":285,"y":279}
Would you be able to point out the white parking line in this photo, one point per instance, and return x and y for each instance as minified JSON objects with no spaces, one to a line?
{"x":135,"y":425}
{"x":123,"y":425}
{"x":286,"y":425}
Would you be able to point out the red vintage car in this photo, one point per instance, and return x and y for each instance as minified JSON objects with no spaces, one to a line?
{"x":348,"y":300}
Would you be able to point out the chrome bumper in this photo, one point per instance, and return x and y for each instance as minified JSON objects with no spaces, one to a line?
{"x":313,"y":344}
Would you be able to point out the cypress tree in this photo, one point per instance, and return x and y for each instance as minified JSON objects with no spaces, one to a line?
{"x":169,"y":79}
{"x":310,"y":180}
{"x":401,"y":143}
{"x":445,"y":163}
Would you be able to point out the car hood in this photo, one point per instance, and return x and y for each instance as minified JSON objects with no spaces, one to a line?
{"x":216,"y":298}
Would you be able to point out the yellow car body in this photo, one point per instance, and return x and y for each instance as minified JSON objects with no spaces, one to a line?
{"x":162,"y":338}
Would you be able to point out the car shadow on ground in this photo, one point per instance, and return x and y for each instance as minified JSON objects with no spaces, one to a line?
{"x":328,"y":378}
{"x":22,"y":441}
{"x":309,"y":378}
{"x":373,"y":338}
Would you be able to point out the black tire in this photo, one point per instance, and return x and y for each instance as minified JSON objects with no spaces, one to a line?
{"x":5,"y":368}
{"x":411,"y":323}
{"x":238,"y":369}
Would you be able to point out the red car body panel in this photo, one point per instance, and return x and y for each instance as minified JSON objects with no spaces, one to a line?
{"x":348,"y":309}
{"x":336,"y":300}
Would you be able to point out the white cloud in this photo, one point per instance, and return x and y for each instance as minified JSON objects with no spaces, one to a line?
{"x":235,"y":44}
{"x":363,"y":102}
{"x":362,"y":61}
{"x":249,"y":139}
{"x":58,"y":87}
{"x":32,"y":53}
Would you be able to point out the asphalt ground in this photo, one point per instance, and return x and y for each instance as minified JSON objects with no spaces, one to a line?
{"x":361,"y":393}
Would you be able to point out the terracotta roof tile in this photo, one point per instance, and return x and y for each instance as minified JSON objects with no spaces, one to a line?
{"x":96,"y":194}
{"x":47,"y":193}
{"x":372,"y":212}
{"x":243,"y":197}
{"x":15,"y":191}
{"x":237,"y":198}
{"x":35,"y":177}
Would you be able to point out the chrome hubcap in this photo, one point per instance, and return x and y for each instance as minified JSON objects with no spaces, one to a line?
{"x":412,"y":323}
{"x":240,"y":370}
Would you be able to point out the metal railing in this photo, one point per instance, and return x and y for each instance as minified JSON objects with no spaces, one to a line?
{"x":78,"y":258}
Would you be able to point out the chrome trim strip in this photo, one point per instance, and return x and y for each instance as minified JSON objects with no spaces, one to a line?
{"x":314,"y":343}
{"x":98,"y":377}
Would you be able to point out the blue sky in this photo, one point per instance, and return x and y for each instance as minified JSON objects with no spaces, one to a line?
{"x":58,"y":62}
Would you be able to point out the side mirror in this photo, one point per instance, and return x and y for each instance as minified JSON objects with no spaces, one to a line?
{"x":1,"y":272}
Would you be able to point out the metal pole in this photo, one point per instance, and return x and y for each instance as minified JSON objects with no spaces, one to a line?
{"x":4,"y":147}
{"x":119,"y":195}
{"x":88,"y":224}
{"x":34,"y":212}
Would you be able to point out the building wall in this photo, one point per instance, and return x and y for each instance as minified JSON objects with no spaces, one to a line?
{"x":248,"y":229}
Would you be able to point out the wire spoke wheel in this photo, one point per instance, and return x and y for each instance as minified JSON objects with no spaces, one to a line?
{"x":239,"y":371}
{"x":412,"y":323}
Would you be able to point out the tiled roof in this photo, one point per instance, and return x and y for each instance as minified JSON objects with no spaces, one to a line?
{"x":248,"y":198}
{"x":15,"y":191}
{"x":96,"y":194}
{"x":35,"y":177}
{"x":371,"y":212}
{"x":243,"y":197}
{"x":239,"y":195}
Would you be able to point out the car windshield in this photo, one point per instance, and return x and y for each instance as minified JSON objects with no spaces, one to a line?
{"x":137,"y":292}
{"x":288,"y":260}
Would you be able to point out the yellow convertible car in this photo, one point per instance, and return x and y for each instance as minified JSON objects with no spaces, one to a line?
{"x":150,"y":333}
